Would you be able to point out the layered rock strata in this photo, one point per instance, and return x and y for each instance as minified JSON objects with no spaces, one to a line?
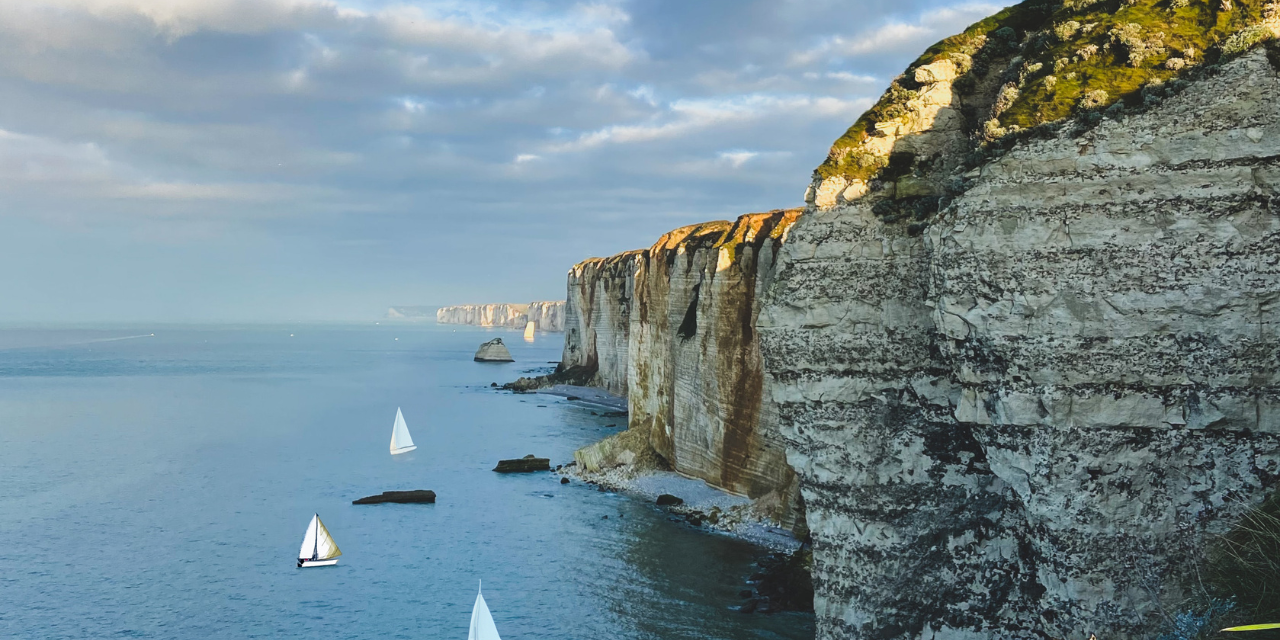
{"x":671,"y":327}
{"x":597,"y":319}
{"x":1023,"y":410}
{"x":546,"y":316}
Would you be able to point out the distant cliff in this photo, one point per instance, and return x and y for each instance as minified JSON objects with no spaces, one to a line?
{"x":409,"y":313}
{"x":547,"y":316}
{"x":671,"y":328}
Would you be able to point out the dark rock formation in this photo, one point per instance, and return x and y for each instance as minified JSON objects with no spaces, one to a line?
{"x":667,"y":499}
{"x":523,"y":465}
{"x":401,"y":497}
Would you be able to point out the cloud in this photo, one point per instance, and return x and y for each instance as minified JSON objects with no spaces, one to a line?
{"x":179,"y":18}
{"x":684,"y":117}
{"x":560,"y":129}
{"x":896,"y":35}
{"x":739,"y":157}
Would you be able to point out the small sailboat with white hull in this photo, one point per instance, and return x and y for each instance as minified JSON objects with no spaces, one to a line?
{"x":401,"y":441}
{"x":318,"y":548}
{"x":482,"y":627}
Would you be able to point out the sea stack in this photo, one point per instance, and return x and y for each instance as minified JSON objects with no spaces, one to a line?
{"x":493,"y":351}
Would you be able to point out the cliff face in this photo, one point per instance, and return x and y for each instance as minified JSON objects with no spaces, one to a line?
{"x":598,"y":319}
{"x":548,"y":316}
{"x":696,"y":379}
{"x":672,"y":328}
{"x":1023,"y":406}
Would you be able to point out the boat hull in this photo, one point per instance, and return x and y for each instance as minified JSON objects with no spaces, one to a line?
{"x":318,"y":563}
{"x":396,"y":452}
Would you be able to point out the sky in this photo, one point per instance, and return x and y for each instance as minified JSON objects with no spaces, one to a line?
{"x":322,"y":160}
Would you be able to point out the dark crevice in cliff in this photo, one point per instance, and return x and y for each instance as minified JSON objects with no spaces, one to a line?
{"x":689,"y":326}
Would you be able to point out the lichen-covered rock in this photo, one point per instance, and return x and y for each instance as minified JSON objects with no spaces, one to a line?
{"x":493,"y":351}
{"x":1023,"y":416}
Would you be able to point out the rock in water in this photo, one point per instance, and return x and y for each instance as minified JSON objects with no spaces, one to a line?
{"x":523,"y":465}
{"x":404,"y":497}
{"x":494,"y":351}
{"x":667,"y":499}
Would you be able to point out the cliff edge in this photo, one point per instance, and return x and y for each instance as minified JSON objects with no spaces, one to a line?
{"x":1022,"y":344}
{"x":671,"y":328}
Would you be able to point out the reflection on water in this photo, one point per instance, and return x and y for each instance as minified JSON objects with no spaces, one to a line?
{"x":159,"y":487}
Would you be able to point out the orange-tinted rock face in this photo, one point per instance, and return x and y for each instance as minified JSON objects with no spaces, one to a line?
{"x":597,"y":318}
{"x":685,"y":309}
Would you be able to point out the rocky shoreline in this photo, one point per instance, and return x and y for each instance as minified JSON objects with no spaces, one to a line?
{"x":701,"y":505}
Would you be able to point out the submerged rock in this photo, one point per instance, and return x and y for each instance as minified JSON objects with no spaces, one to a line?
{"x":404,"y":497}
{"x":493,"y":351}
{"x":523,"y":465}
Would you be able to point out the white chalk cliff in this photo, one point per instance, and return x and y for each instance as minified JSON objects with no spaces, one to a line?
{"x":546,"y":316}
{"x":1020,"y":348}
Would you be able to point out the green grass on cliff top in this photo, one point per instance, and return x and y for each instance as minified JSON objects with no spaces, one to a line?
{"x":1084,"y":48}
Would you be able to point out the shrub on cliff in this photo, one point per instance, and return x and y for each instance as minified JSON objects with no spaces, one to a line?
{"x":1244,"y":565}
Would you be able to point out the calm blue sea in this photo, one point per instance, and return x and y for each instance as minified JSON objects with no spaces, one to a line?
{"x":159,"y":487}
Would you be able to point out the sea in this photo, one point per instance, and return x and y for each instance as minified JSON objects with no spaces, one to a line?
{"x":156,"y":482}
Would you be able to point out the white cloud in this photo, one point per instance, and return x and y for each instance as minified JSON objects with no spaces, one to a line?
{"x":34,"y":164}
{"x":897,"y":36}
{"x":526,"y":157}
{"x":684,"y":117}
{"x":644,"y":93}
{"x":179,"y":18}
{"x":739,"y":157}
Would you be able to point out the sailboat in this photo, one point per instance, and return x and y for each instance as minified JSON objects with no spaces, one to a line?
{"x":482,"y":627}
{"x":401,"y":442}
{"x":318,"y":548}
{"x":528,"y":331}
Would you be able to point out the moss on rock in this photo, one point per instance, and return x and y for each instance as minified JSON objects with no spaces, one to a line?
{"x":1053,"y":60}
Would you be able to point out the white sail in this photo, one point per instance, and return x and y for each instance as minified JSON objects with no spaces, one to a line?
{"x":401,"y":441}
{"x":309,"y":540}
{"x":482,"y":627}
{"x":317,"y":544}
{"x":528,"y":331}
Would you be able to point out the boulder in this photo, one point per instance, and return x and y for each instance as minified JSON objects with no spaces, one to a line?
{"x":493,"y":351}
{"x":667,"y":499}
{"x":523,"y":465}
{"x":416,"y":496}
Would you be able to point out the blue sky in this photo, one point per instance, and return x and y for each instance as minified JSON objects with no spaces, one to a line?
{"x":311,"y":160}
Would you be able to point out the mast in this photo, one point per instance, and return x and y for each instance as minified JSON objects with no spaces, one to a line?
{"x":315,"y":552}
